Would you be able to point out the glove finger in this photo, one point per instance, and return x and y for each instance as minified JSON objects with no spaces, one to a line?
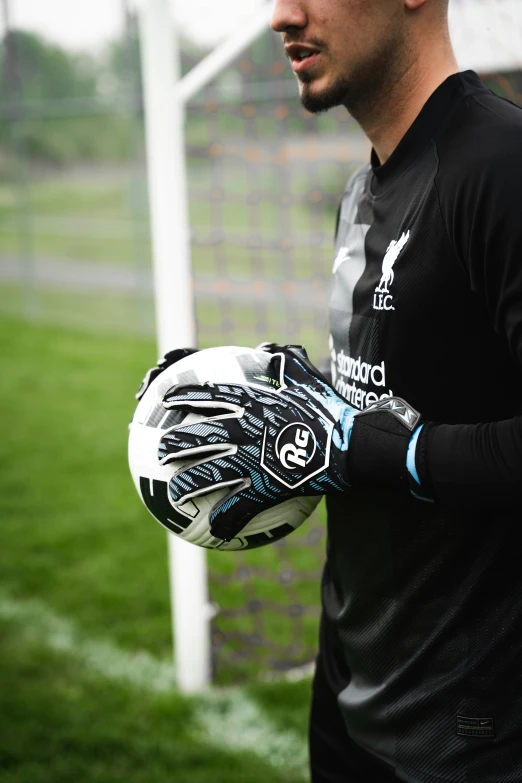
{"x":300,"y":370}
{"x":297,"y":368}
{"x":223,"y":400}
{"x":236,"y":511}
{"x":203,"y":478}
{"x":187,"y":441}
{"x":277,"y":348}
{"x":146,"y":382}
{"x":205,"y":398}
{"x":244,"y":503}
{"x":250,"y":491}
{"x":171,"y":357}
{"x":269,"y":347}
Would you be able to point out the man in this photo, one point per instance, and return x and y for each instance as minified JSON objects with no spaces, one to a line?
{"x":422,"y":604}
{"x":419,"y":674}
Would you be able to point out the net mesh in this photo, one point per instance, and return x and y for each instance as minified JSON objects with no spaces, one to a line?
{"x":265,"y":178}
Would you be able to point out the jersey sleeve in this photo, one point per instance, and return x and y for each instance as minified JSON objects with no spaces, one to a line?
{"x":480,"y":465}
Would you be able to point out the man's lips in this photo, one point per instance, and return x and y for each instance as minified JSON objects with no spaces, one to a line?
{"x":296,"y":51}
{"x":303,"y":65}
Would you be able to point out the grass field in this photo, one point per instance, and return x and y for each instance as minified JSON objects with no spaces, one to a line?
{"x":86,"y":688}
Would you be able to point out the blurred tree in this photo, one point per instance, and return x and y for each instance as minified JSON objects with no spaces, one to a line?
{"x":55,"y":105}
{"x":36,"y":69}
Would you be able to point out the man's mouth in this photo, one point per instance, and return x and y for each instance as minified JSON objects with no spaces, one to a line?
{"x":302,"y":57}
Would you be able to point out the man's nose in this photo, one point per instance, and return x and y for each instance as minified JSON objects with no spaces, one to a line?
{"x":288,"y":13}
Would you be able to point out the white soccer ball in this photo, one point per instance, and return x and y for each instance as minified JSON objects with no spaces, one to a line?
{"x":190,"y":521}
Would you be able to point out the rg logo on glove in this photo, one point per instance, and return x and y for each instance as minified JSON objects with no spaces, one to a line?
{"x":294,"y":454}
{"x":295,"y":446}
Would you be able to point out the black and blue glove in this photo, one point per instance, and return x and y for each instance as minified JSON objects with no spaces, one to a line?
{"x":265,"y":446}
{"x":269,"y":446}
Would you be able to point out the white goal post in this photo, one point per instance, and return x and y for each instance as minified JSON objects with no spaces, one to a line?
{"x":165,"y":95}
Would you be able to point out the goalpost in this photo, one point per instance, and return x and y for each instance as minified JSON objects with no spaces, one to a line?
{"x":165,"y":95}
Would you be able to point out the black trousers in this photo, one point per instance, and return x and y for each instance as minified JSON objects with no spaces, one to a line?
{"x":334,"y":756}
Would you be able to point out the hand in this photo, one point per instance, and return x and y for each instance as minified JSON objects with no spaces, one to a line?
{"x":266,"y":446}
{"x":170,"y":358}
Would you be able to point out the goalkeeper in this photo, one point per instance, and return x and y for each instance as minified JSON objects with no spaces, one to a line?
{"x":419,"y":674}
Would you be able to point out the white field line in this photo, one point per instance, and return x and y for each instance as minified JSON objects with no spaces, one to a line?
{"x":226,"y":718}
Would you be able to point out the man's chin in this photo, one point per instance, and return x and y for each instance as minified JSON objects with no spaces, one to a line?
{"x":317,"y":98}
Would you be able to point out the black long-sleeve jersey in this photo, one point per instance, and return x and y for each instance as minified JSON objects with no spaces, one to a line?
{"x":422,"y":602}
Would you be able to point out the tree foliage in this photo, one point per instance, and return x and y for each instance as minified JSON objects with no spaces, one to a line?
{"x":59,"y":107}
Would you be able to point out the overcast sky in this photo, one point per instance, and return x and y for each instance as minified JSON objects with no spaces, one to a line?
{"x":89,"y":23}
{"x":487,"y":34}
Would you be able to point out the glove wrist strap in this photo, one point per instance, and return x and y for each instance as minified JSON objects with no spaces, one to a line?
{"x":379,"y":444}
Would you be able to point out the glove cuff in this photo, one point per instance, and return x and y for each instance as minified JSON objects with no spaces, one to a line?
{"x":379,"y":444}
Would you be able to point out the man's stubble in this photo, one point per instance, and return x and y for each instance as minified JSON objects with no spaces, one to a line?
{"x":368,"y":85}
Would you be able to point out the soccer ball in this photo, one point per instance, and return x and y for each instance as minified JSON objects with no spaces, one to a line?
{"x":190,"y":521}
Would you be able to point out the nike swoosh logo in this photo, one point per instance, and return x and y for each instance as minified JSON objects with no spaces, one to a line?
{"x":342,"y":256}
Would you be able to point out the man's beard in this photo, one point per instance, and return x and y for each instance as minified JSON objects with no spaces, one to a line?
{"x":362,"y":92}
{"x":323,"y":100}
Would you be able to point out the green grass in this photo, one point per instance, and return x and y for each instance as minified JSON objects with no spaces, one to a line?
{"x":76,"y":539}
{"x":61,"y":723}
{"x":72,"y":531}
{"x":69,"y":398}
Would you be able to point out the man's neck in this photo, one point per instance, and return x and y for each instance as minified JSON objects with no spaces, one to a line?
{"x":396,"y":111}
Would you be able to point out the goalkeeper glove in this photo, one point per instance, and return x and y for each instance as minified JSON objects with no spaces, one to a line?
{"x":267,"y":447}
